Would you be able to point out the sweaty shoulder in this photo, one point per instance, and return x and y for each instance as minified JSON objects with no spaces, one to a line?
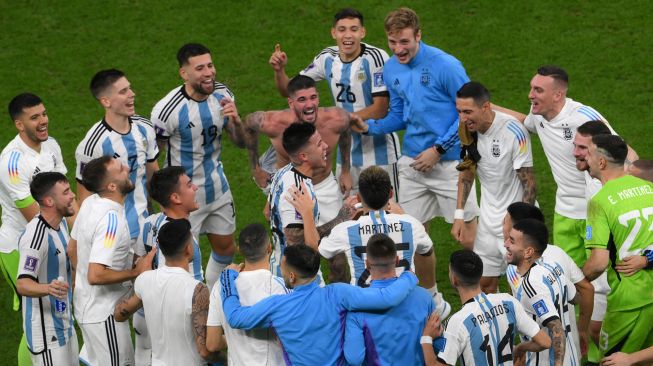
{"x":273,"y":123}
{"x":334,"y":117}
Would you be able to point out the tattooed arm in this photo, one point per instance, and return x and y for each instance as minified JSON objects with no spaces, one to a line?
{"x":198,"y":316}
{"x":465,"y":183}
{"x":347,"y":212}
{"x":344,"y":144}
{"x":127,"y":306}
{"x":339,"y":269}
{"x":235,"y":125}
{"x":252,"y":126}
{"x":558,"y":341}
{"x":527,"y":179}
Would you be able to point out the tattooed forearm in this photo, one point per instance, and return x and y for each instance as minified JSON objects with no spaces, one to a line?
{"x":127,"y":306}
{"x":467,"y":181}
{"x":199,"y":314}
{"x":339,"y":269}
{"x":527,"y":179}
{"x":346,"y":212}
{"x":557,"y":341}
{"x":344,"y":144}
{"x":252,"y":125}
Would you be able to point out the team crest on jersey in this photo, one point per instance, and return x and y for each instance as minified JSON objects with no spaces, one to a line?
{"x":54,"y":161}
{"x":496,"y":150}
{"x":426,"y":78}
{"x":360,"y":76}
{"x":566,"y":133}
{"x":30,"y":263}
{"x":378,"y":79}
{"x":540,"y":308}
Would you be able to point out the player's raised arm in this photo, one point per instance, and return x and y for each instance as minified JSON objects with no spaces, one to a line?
{"x":235,"y":126}
{"x":344,"y":144}
{"x":278,"y":61}
{"x":357,"y":298}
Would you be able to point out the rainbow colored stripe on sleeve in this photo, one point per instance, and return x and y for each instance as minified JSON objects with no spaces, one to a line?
{"x":112,"y":227}
{"x":520,"y":135}
{"x":13,"y":167}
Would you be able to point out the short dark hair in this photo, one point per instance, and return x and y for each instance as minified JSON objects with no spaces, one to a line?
{"x":611,"y":146}
{"x":253,"y":242}
{"x":593,"y":128}
{"x":173,"y":237}
{"x":381,"y":247}
{"x":190,"y":50}
{"x":300,"y":82}
{"x":521,"y":210}
{"x":94,"y":173}
{"x":164,"y":182}
{"x":304,"y":259}
{"x":22,"y":101}
{"x":557,"y":73}
{"x":374,"y":187}
{"x":296,"y":136}
{"x":474,"y":90}
{"x":535,"y":234}
{"x":103,"y":80}
{"x":348,"y":13}
{"x":467,"y":266}
{"x":43,"y":182}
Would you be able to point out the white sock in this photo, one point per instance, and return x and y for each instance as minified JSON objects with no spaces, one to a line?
{"x":217,"y":264}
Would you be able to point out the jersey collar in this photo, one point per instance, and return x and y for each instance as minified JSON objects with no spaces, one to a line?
{"x":363,"y":47}
{"x":108,"y":127}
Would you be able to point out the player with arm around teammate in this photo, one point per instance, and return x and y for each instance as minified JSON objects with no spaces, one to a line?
{"x":483,"y":331}
{"x":45,"y":272}
{"x":189,"y":123}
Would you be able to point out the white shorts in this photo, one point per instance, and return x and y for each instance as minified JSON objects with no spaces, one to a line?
{"x":356,"y":173}
{"x":434,"y":193}
{"x":488,"y":247}
{"x":329,"y":199}
{"x":67,"y":354}
{"x":601,"y":291}
{"x":143,"y":345}
{"x":219,"y":217}
{"x":107,"y":343}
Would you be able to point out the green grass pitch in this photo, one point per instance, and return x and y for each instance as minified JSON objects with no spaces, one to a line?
{"x":53,"y":48}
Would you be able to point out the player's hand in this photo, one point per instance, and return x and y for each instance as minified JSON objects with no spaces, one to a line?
{"x":630,"y":265}
{"x":518,"y":356}
{"x":393,"y":207}
{"x":300,"y":198}
{"x":348,"y":211}
{"x":357,"y":124}
{"x":617,"y":359}
{"x":236,"y":267}
{"x":584,"y":342}
{"x":457,"y":230}
{"x":433,"y":327}
{"x":229,"y":110}
{"x":278,"y":60}
{"x":266,"y":211}
{"x":346,"y":183}
{"x":425,"y":161}
{"x":144,"y":263}
{"x":58,"y":289}
{"x":261,"y":177}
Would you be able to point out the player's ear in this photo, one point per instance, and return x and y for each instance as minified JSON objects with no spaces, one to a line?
{"x":333,"y":32}
{"x":183,"y":74}
{"x":363,"y":32}
{"x":105,"y":102}
{"x":19,"y":125}
{"x":418,"y":35}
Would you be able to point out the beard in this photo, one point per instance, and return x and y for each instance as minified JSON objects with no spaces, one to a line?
{"x":197,"y":87}
{"x":126,"y":187}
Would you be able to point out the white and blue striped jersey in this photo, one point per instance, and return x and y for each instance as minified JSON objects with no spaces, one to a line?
{"x":134,"y":149}
{"x":557,"y":138}
{"x":193,"y":131}
{"x":282,"y":212}
{"x":43,"y":258}
{"x":545,"y":293}
{"x":353,"y":85}
{"x":350,"y":237}
{"x":149,"y":239}
{"x":19,"y":163}
{"x":483,"y":331}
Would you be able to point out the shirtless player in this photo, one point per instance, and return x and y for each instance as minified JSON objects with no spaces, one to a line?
{"x":333,"y":125}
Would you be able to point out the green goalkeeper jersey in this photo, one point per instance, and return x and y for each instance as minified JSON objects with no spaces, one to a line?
{"x":620,"y":219}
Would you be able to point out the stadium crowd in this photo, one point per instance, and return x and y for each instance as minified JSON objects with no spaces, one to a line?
{"x":101,"y":256}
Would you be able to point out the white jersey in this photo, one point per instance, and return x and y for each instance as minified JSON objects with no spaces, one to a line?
{"x":353,"y":85}
{"x":102,"y":237}
{"x":19,"y":163}
{"x":167,"y":295}
{"x":483,"y":331}
{"x":134,"y":149}
{"x":43,"y":259}
{"x":193,"y":131}
{"x":545,"y":294}
{"x":557,"y":137}
{"x":257,"y":346}
{"x":149,"y":239}
{"x":504,"y":148}
{"x":351,"y":237}
{"x":282,"y":212}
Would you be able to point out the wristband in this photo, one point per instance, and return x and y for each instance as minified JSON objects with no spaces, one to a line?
{"x":459,"y":214}
{"x":441,"y":150}
{"x":426,"y":340}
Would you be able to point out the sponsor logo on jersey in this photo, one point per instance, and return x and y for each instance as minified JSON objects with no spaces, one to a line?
{"x":378,"y":79}
{"x":190,"y":125}
{"x":426,"y":78}
{"x":540,"y":308}
{"x":396,"y":82}
{"x":588,"y":232}
{"x":31,"y":263}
